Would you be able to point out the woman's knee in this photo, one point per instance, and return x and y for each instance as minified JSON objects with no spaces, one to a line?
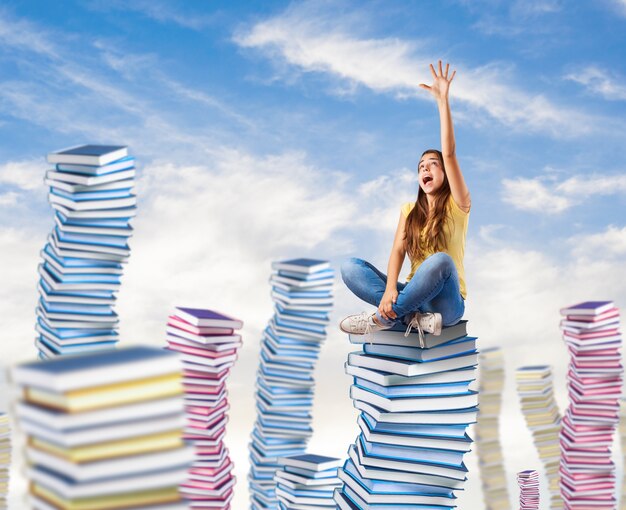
{"x":441,"y":261}
{"x":350,"y":268}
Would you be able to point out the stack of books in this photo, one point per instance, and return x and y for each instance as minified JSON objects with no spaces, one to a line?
{"x":594,"y":382}
{"x":487,"y":431}
{"x":307,"y":482}
{"x":5,"y":458}
{"x":416,"y":406}
{"x":528,"y":490}
{"x":208,"y":345}
{"x":622,"y":434}
{"x":104,"y":430}
{"x":303,"y":297}
{"x":535,"y":390}
{"x":91,"y":191}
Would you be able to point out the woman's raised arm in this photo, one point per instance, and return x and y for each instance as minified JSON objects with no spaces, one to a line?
{"x":439,"y":89}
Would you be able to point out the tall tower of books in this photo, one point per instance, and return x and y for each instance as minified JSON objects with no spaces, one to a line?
{"x":208,"y":345}
{"x":535,"y":390}
{"x":416,"y":406}
{"x":592,"y":334}
{"x":487,"y":431}
{"x":622,"y":435}
{"x":303,"y":298}
{"x":91,"y":192}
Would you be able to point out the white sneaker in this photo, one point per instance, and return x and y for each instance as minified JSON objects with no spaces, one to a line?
{"x":424,"y":322}
{"x":360,"y":324}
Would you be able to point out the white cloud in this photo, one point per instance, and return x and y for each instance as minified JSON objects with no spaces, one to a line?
{"x":308,"y":41}
{"x":611,"y":244}
{"x":543,"y":194}
{"x":9,"y":198}
{"x":26,"y":175}
{"x":600,"y":82}
{"x":533,"y":195}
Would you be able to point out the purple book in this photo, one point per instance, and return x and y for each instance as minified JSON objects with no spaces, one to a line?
{"x":588,"y":308}
{"x":207,"y":318}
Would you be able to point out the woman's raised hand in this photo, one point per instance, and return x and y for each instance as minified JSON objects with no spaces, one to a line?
{"x":441,"y":82}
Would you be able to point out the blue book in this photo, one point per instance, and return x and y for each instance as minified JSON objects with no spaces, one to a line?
{"x":65,"y":350}
{"x":89,"y":239}
{"x":92,"y":155}
{"x":415,"y":429}
{"x":78,"y":262}
{"x":101,"y":310}
{"x":94,"y":222}
{"x":431,"y":456}
{"x":427,"y":390}
{"x":325,"y":274}
{"x":386,"y":486}
{"x":458,"y":347}
{"x":301,"y":265}
{"x":588,"y":308}
{"x":302,"y":294}
{"x":82,"y":196}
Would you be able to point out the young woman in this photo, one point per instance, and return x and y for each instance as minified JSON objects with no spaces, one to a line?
{"x":432,"y":232}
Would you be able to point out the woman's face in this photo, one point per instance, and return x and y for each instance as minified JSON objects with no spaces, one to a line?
{"x":430,"y":173}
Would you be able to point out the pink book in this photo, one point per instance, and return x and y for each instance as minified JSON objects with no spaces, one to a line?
{"x":613,"y":312}
{"x":205,"y":389}
{"x":203,"y":411}
{"x":227,"y":464}
{"x":205,"y":353}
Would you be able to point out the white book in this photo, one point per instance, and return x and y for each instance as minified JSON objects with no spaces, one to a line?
{"x":103,"y":231}
{"x":386,"y":379}
{"x":176,"y":333}
{"x":68,"y":212}
{"x":91,"y":155}
{"x":78,"y":269}
{"x":69,"y":297}
{"x":392,"y":498}
{"x":461,"y":445}
{"x":454,"y":417}
{"x":81,"y":188}
{"x":393,"y":475}
{"x":415,"y":404}
{"x":408,"y":368}
{"x":114,"y":417}
{"x":108,"y":432}
{"x":93,"y":205}
{"x":168,"y":477}
{"x":73,"y":250}
{"x":90,"y":180}
{"x":453,"y":348}
{"x":301,"y":265}
{"x":396,"y":337}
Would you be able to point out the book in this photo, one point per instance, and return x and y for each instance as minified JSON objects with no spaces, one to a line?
{"x":588,"y":308}
{"x":96,"y":155}
{"x":66,"y":374}
{"x":395,"y":336}
{"x":301,"y":265}
{"x":207,"y":318}
{"x":311,"y":462}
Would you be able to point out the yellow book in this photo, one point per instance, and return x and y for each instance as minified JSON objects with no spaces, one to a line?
{"x":112,"y":502}
{"x":111,"y":449}
{"x":109,"y":395}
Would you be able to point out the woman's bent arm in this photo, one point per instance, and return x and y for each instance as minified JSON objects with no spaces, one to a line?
{"x":396,"y":259}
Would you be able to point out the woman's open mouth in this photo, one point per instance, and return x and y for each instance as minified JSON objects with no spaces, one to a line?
{"x":427,"y":179}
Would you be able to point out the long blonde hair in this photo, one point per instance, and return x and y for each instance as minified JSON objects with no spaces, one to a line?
{"x":424,"y":231}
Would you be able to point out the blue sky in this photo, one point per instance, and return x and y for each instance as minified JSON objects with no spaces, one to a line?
{"x":272,"y":129}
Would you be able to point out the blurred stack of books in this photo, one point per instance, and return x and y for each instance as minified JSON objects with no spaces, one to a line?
{"x":487,"y":430}
{"x":535,"y":390}
{"x":208,"y":344}
{"x":104,"y":430}
{"x":91,"y":191}
{"x":307,"y":482}
{"x":5,"y":458}
{"x":416,"y":406}
{"x":303,"y":297}
{"x":591,"y":331}
{"x":528,"y":490}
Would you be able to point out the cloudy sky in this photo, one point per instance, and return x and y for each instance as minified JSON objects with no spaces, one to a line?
{"x":266,"y":130}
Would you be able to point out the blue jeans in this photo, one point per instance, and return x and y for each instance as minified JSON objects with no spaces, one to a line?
{"x":433,"y":288}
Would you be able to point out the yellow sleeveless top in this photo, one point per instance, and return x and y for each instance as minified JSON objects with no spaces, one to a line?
{"x":455,"y":229}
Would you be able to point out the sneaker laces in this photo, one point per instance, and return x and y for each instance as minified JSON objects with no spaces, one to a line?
{"x":356,"y":323}
{"x":415,"y":323}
